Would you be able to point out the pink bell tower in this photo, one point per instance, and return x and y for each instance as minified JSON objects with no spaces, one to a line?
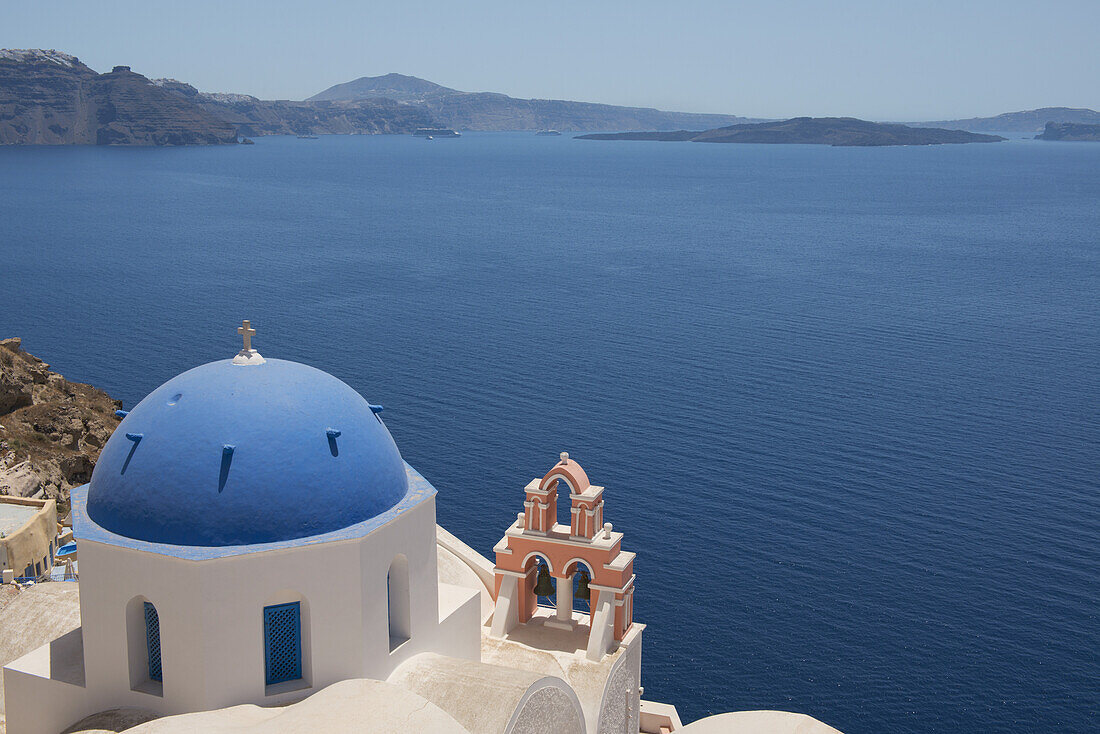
{"x":586,"y":545}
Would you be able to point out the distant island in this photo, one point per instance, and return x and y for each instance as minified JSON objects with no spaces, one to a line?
{"x":490,"y":111}
{"x":1027,"y":121}
{"x":1070,"y":131}
{"x":836,"y":131}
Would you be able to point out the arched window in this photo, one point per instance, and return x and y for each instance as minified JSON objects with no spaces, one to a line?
{"x":144,"y":648}
{"x":152,"y":640}
{"x":580,"y":576}
{"x":565,"y":505}
{"x":397,"y":600}
{"x":283,"y":642}
{"x":544,"y":584}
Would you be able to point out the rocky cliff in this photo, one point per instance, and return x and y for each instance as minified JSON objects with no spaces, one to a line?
{"x":51,"y":98}
{"x":491,"y":111}
{"x":1070,"y":131}
{"x":43,"y":98}
{"x":52,"y":429}
{"x":252,"y":116}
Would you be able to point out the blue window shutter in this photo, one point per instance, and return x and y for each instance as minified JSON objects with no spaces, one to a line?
{"x":152,"y":640}
{"x":283,"y":642}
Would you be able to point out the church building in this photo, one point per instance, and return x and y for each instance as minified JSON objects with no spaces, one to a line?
{"x":255,"y":553}
{"x":252,"y":535}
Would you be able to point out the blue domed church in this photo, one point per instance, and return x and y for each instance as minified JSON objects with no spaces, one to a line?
{"x":253,"y":549}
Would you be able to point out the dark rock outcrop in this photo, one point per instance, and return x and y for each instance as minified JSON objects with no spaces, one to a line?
{"x":459,"y":110}
{"x":131,"y":110}
{"x":50,"y":98}
{"x":837,"y":131}
{"x":44,"y":98}
{"x":53,"y":429}
{"x":1070,"y":131}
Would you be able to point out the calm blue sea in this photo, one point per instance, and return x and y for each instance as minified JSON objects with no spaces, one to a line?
{"x":845,"y":401}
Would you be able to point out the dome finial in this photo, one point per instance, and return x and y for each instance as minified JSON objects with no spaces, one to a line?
{"x":247,"y":355}
{"x":564,"y":457}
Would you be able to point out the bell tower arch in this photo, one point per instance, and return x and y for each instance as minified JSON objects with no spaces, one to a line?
{"x":585,"y":555}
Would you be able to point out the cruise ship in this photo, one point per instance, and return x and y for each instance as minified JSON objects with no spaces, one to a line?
{"x":436,"y":132}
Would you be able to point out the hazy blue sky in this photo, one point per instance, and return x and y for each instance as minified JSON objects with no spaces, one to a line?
{"x":881,"y":60}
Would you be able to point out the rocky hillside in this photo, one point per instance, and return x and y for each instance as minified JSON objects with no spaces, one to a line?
{"x":490,"y":111}
{"x":253,"y":117}
{"x":390,"y":86}
{"x":43,"y":98}
{"x":51,"y":98}
{"x":1070,"y":131}
{"x":53,"y":429}
{"x":1027,"y":121}
{"x":837,"y":131}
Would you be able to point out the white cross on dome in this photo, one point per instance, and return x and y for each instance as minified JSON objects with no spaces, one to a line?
{"x":247,"y":355}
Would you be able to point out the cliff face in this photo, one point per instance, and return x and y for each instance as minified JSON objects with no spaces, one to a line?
{"x":53,"y":429}
{"x":43,"y":98}
{"x":131,"y":110}
{"x":1070,"y":131}
{"x":50,"y":98}
{"x":252,"y":116}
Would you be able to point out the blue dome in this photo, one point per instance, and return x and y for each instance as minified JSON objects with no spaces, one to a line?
{"x":227,"y":454}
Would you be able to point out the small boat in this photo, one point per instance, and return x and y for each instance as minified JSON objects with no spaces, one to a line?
{"x":436,"y":132}
{"x":547,"y":133}
{"x":429,"y":138}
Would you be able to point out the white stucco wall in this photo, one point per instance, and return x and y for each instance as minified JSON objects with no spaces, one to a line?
{"x":619,"y":710}
{"x":353,"y":705}
{"x":211,"y":622}
{"x":492,"y":699}
{"x":759,"y":722}
{"x":549,"y":709}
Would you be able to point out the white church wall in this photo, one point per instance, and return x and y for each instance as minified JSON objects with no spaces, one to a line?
{"x":235,"y":592}
{"x":620,"y":708}
{"x":211,"y":621}
{"x":115,"y":580}
{"x":549,"y":707}
{"x":42,"y":705}
{"x":459,"y":632}
{"x":211,"y":617}
{"x":412,"y":535}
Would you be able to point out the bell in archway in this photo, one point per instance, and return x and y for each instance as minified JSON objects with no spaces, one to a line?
{"x":582,"y":588}
{"x":543,"y":585}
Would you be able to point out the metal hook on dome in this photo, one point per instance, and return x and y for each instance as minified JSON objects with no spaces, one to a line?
{"x":333,"y":434}
{"x":227,"y":459}
{"x":136,"y":438}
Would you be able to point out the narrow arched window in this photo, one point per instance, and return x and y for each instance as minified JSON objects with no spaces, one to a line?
{"x":283,"y":642}
{"x":152,"y":641}
{"x":397,"y":600}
